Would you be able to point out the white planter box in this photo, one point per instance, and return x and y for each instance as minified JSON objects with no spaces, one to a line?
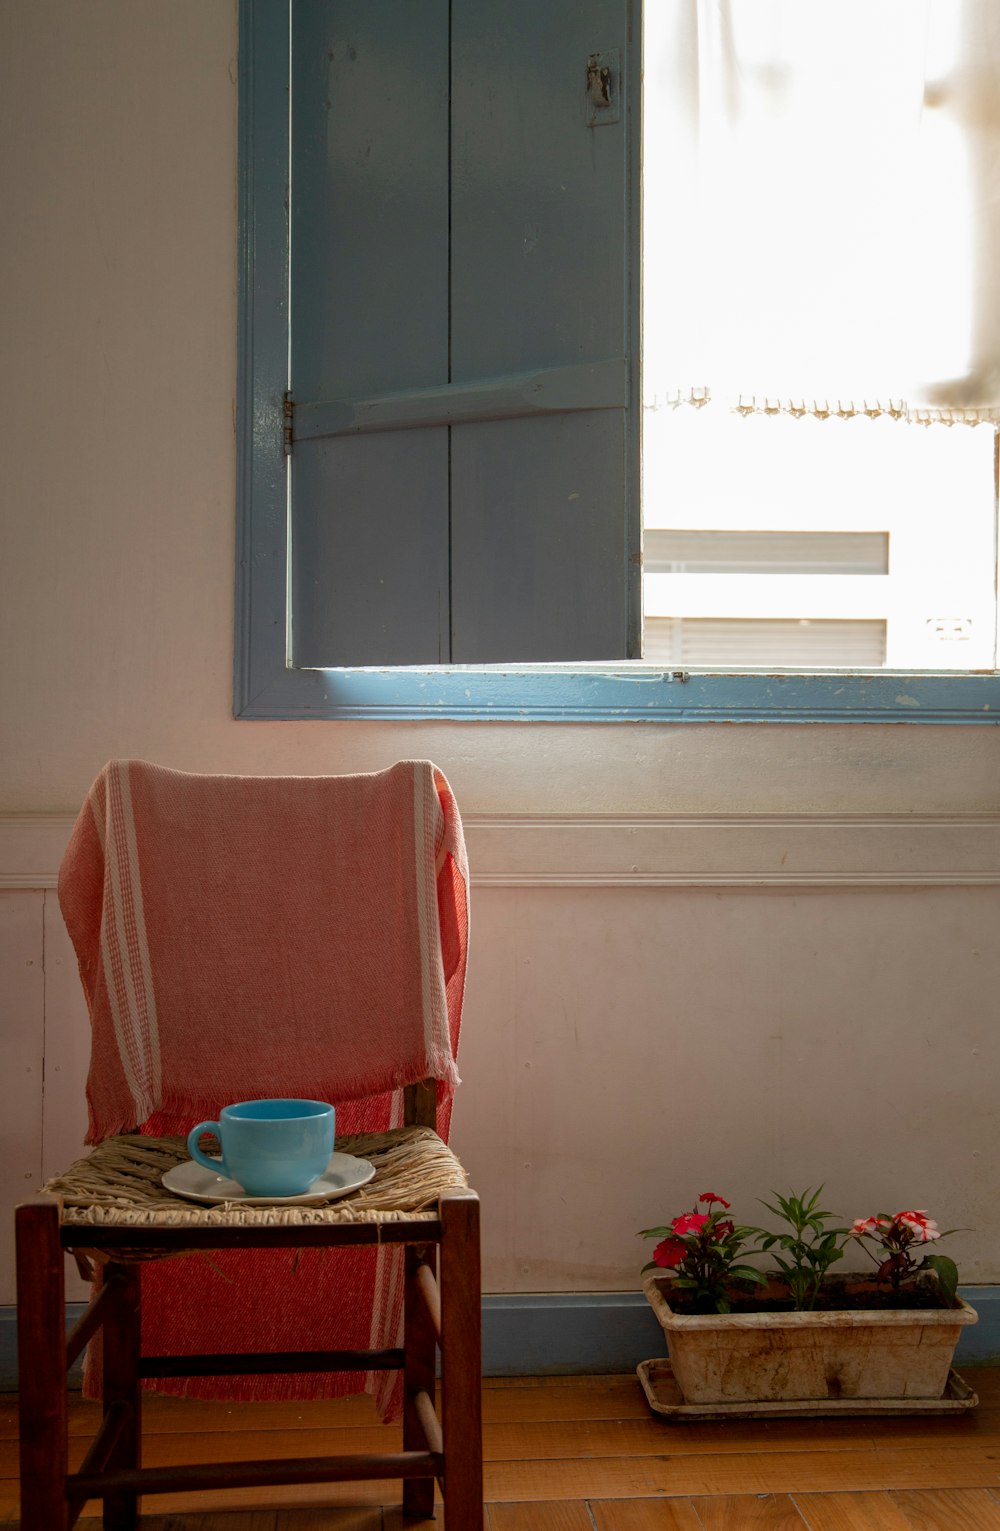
{"x":750,"y":1357}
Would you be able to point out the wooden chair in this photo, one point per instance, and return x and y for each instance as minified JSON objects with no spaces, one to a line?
{"x":442,"y":1310}
{"x":437,"y":1224}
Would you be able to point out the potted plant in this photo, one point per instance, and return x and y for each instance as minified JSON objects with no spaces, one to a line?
{"x":739,"y":1334}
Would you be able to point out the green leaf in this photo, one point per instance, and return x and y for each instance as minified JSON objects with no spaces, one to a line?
{"x":748,"y":1273}
{"x":947,"y":1274}
{"x":654,"y":1233}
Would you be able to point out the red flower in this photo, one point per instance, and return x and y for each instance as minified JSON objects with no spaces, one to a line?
{"x":724,"y":1229}
{"x":669,"y":1253}
{"x":921,"y":1228}
{"x":710,"y":1196}
{"x":689,"y":1222}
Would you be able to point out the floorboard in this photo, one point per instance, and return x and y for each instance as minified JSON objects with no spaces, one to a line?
{"x":645,"y":1515}
{"x":968,"y":1510}
{"x":852,"y":1512}
{"x":540,"y":1517}
{"x":582,"y":1454}
{"x":741,"y":1512}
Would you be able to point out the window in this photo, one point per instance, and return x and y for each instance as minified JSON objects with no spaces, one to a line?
{"x":818,"y":199}
{"x":455,"y":530}
{"x":828,"y":523}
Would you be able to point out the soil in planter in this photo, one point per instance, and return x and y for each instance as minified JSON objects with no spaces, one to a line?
{"x":838,"y":1296}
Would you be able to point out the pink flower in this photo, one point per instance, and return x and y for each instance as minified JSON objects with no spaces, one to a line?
{"x":669,"y":1253}
{"x":921,"y":1227}
{"x":689,"y":1222}
{"x":863,"y":1225}
{"x":710,"y":1197}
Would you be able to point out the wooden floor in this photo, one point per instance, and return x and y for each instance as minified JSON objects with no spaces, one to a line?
{"x":586,"y":1454}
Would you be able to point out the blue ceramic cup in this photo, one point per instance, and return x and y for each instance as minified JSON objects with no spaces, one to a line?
{"x":270,"y":1147}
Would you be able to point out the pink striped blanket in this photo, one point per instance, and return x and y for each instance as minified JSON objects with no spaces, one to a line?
{"x":241,"y":937}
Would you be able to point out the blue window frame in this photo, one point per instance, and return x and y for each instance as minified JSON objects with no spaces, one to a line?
{"x":291,"y":554}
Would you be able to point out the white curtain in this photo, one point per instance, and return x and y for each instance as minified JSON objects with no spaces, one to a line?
{"x":821,"y":192}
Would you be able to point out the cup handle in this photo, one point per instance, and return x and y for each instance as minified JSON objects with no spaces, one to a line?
{"x":217,"y":1166}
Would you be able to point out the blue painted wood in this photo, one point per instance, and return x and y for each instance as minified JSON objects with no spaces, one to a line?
{"x":369,"y":264}
{"x":268,"y":686}
{"x":262,"y":362}
{"x":539,"y":199}
{"x":577,"y":1333}
{"x":370,"y":570}
{"x":543,"y":516}
{"x":640,"y":694}
{"x":545,"y":390}
{"x":539,"y":562}
{"x":372,"y":557}
{"x":369,"y":314}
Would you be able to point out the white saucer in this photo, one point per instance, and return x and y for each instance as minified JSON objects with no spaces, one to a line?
{"x":343,"y":1173}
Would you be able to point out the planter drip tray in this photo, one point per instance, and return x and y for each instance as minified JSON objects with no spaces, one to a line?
{"x":665,"y":1398}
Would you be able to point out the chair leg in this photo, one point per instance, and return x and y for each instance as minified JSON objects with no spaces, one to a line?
{"x":420,"y":1345}
{"x":41,"y":1341}
{"x":461,"y":1361}
{"x":121,"y":1337}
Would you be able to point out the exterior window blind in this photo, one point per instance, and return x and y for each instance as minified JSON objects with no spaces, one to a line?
{"x":731,"y":643}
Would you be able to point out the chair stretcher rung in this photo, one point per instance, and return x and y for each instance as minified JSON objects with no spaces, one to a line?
{"x":106,"y":1439}
{"x":431,"y":1293}
{"x":90,"y":1321}
{"x":246,"y":1364}
{"x":210,"y":1475}
{"x":429,"y":1422}
{"x":147,"y":1240}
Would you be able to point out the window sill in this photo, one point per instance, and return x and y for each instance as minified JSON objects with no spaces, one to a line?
{"x":629,"y":693}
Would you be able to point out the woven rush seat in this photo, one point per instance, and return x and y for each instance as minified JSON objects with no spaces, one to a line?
{"x":118,"y":1185}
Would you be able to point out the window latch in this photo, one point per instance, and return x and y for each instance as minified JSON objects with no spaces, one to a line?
{"x":603,"y":87}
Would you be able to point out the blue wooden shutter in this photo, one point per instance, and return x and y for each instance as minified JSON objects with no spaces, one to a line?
{"x":369,"y":317}
{"x":463,"y":460}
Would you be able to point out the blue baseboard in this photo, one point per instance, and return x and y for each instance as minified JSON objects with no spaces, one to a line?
{"x":567,"y":1332}
{"x":589,"y":1332}
{"x":580,"y":1333}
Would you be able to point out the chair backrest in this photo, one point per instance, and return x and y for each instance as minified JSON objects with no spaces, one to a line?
{"x":420,"y":1104}
{"x":242,"y":936}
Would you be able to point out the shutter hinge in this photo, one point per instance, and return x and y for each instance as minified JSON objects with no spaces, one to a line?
{"x":288,"y":411}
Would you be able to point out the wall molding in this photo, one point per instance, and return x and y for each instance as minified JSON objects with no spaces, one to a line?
{"x":574,"y":1333}
{"x":675,"y":850}
{"x":553,"y":1333}
{"x":31,"y":848}
{"x":735,"y":850}
{"x":657,"y":850}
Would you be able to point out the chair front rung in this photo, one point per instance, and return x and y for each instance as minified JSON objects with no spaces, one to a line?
{"x":290,"y":1362}
{"x":210,"y":1475}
